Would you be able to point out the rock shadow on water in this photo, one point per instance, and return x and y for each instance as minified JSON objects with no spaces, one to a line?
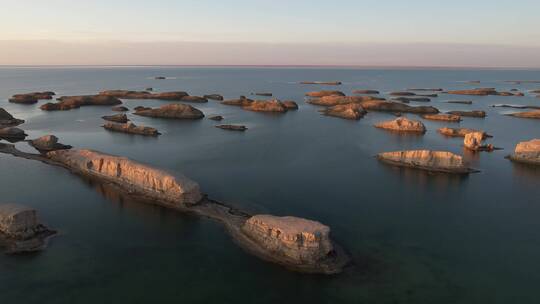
{"x":427,"y":180}
{"x":526,"y":172}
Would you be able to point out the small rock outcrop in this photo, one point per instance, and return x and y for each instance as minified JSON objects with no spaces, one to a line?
{"x":435,"y":161}
{"x":527,"y":152}
{"x":473,"y":142}
{"x":216,"y":117}
{"x":119,"y":109}
{"x":120,"y":118}
{"x":402,"y":124}
{"x":21,"y":230}
{"x":12,"y":133}
{"x":266,"y":94}
{"x":197,"y":99}
{"x":461,"y":132}
{"x":74,"y":102}
{"x":402,"y":94}
{"x":318,"y":94}
{"x":173,"y":111}
{"x":290,"y":105}
{"x":366,"y":92}
{"x":529,"y":114}
{"x":177,"y":190}
{"x":481,"y":92}
{"x":347,"y":111}
{"x":426,"y":89}
{"x":478,"y":114}
{"x":7,"y":120}
{"x":442,"y":117}
{"x":266,"y":106}
{"x":322,"y":82}
{"x":467,"y":102}
{"x":241,"y":102}
{"x":124,"y":94}
{"x":232,"y":127}
{"x":48,"y":143}
{"x":411,"y":99}
{"x":31,"y":98}
{"x":334,"y":100}
{"x":131,"y":128}
{"x":213,"y":97}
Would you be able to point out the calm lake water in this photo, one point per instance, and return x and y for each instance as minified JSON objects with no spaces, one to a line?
{"x":414,"y":238}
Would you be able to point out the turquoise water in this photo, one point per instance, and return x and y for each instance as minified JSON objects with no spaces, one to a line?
{"x":414,"y":238}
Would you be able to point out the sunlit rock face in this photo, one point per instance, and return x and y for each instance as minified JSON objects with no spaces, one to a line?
{"x":473,"y":141}
{"x":402,"y":124}
{"x":266,"y":106}
{"x":297,"y":239}
{"x":459,"y":132}
{"x":527,"y":152}
{"x":131,"y":176}
{"x":528,"y":114}
{"x":440,"y":161}
{"x":172,"y":111}
{"x":319,"y":94}
{"x":333,"y":100}
{"x":346,"y":111}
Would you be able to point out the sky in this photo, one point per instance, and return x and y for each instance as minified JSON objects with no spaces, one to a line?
{"x":494,"y":33}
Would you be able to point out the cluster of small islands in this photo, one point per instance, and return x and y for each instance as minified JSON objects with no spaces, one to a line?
{"x":296,"y":243}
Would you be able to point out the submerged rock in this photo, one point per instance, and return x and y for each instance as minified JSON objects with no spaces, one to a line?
{"x":124,"y":94}
{"x":131,"y":128}
{"x":527,"y":152}
{"x":443,"y":117}
{"x":435,"y":161}
{"x":478,"y":114}
{"x":12,"y":133}
{"x":473,"y":141}
{"x":461,"y":132}
{"x":173,"y":111}
{"x":334,"y":100}
{"x":74,"y":102}
{"x":232,"y":127}
{"x":213,"y":97}
{"x":48,"y":143}
{"x":120,"y":118}
{"x":367,"y":92}
{"x":402,"y":124}
{"x":319,"y":94}
{"x":322,"y":82}
{"x":31,"y":98}
{"x":7,"y":120}
{"x":21,"y":230}
{"x":290,"y":105}
{"x":346,"y":111}
{"x":120,"y":109}
{"x":529,"y":114}
{"x":216,"y":117}
{"x":266,"y":106}
{"x":176,"y":190}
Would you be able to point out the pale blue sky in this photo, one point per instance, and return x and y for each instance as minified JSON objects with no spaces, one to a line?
{"x":510,"y":23}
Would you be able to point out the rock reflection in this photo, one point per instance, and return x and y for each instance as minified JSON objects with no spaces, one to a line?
{"x":429,"y":181}
{"x":526,"y":173}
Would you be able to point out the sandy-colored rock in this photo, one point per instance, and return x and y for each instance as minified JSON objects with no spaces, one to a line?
{"x":529,"y":114}
{"x":442,"y":117}
{"x":436,"y":161}
{"x":177,"y":190}
{"x":367,"y":92}
{"x":197,"y":99}
{"x":131,"y":128}
{"x":119,"y":109}
{"x":319,"y":94}
{"x":124,"y":94}
{"x":290,"y":105}
{"x":232,"y":127}
{"x":299,"y":240}
{"x":12,"y":133}
{"x":460,"y":132}
{"x":396,"y":107}
{"x":173,"y":111}
{"x":322,"y":82}
{"x":478,"y":114}
{"x":527,"y":152}
{"x":48,"y":143}
{"x":120,"y":118}
{"x":213,"y":97}
{"x":31,"y":98}
{"x":242,"y":101}
{"x":74,"y":102}
{"x":346,"y":111}
{"x":402,"y":124}
{"x":473,"y":141}
{"x":7,"y":120}
{"x":266,"y":106}
{"x":334,"y":100}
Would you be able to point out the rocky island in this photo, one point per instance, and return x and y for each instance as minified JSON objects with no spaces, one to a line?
{"x":120,"y":118}
{"x":433,"y":161}
{"x":48,"y":143}
{"x":442,"y":117}
{"x":131,"y":128}
{"x":366,"y":92}
{"x":12,"y":134}
{"x":232,"y":127}
{"x":318,"y":94}
{"x":402,"y":124}
{"x":31,"y":98}
{"x":74,"y":102}
{"x":529,"y":114}
{"x":172,"y":111}
{"x":347,"y":111}
{"x":478,"y":114}
{"x":527,"y":152}
{"x":460,"y":132}
{"x":473,"y":142}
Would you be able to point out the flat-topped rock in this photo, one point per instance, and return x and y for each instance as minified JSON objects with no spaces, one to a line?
{"x":74,"y":102}
{"x":413,"y":99}
{"x":442,"y":117}
{"x":334,"y":100}
{"x":290,"y":105}
{"x":48,"y":143}
{"x":21,"y":230}
{"x":460,"y":132}
{"x":402,"y":94}
{"x":347,"y":111}
{"x":213,"y":97}
{"x":478,"y":114}
{"x":319,"y":94}
{"x":529,"y":114}
{"x":267,"y":94}
{"x":242,"y":101}
{"x":402,"y":124}
{"x":119,"y":109}
{"x":31,"y":98}
{"x":322,"y":82}
{"x":120,"y":118}
{"x":124,"y":94}
{"x":527,"y":152}
{"x":197,"y":99}
{"x":366,"y":92}
{"x":131,"y":128}
{"x":426,"y":89}
{"x":7,"y":120}
{"x":232,"y":127}
{"x":396,"y":107}
{"x":467,"y":102}
{"x":516,"y":106}
{"x":435,"y":161}
{"x":266,"y":106}
{"x":473,"y":142}
{"x":172,"y":111}
{"x":134,"y":177}
{"x":12,"y":133}
{"x":481,"y":92}
{"x":216,"y":117}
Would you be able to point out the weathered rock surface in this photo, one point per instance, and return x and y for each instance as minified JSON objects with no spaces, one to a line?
{"x":7,"y":120}
{"x":31,"y":98}
{"x":396,"y":107}
{"x":402,"y":124}
{"x":473,"y":141}
{"x":213,"y":97}
{"x":74,"y":102}
{"x":131,"y":128}
{"x":12,"y":133}
{"x":460,"y":132}
{"x":529,"y":114}
{"x":120,"y":109}
{"x":216,"y":117}
{"x":124,"y":94}
{"x":334,"y":100}
{"x":177,"y":190}
{"x":173,"y":111}
{"x":242,"y":101}
{"x":322,"y":82}
{"x":442,"y":117}
{"x":21,"y":230}
{"x":478,"y":114}
{"x":367,"y":92}
{"x":48,"y":143}
{"x":120,"y":118}
{"x":232,"y":127}
{"x":319,"y":94}
{"x":409,"y":99}
{"x":467,"y":102}
{"x":436,"y":161}
{"x":346,"y":111}
{"x":290,"y":105}
{"x":266,"y":106}
{"x":527,"y":152}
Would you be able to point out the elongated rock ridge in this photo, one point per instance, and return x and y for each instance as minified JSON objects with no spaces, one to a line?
{"x":131,"y":128}
{"x":31,"y":98}
{"x":535,"y":114}
{"x":435,"y":161}
{"x":442,"y":117}
{"x":527,"y":152}
{"x":74,"y":102}
{"x":172,"y":111}
{"x":351,"y":111}
{"x":124,"y":94}
{"x":460,"y":132}
{"x":334,"y":100}
{"x":319,"y":94}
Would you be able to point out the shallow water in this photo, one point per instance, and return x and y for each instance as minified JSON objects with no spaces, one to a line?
{"x":415,"y":238}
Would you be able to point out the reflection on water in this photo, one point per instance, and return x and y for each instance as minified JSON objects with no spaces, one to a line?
{"x":526,"y":173}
